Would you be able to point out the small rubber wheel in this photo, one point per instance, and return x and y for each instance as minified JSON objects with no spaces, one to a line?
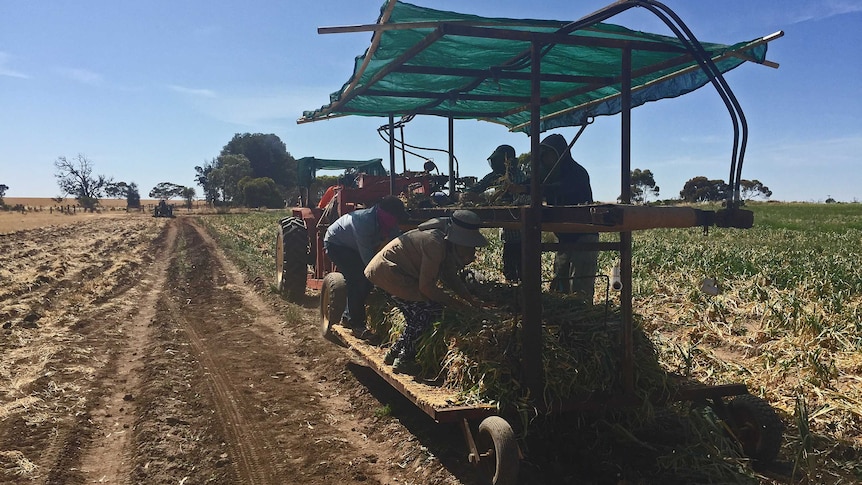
{"x":498,"y":451}
{"x":333,"y":300}
{"x":291,"y":258}
{"x":756,"y":426}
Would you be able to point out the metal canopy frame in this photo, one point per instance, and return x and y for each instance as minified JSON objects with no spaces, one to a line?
{"x":535,"y":218}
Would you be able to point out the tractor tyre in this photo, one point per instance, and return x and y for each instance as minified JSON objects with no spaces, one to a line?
{"x":499,"y":459}
{"x":291,"y":258}
{"x":333,"y":300}
{"x":757,"y":427}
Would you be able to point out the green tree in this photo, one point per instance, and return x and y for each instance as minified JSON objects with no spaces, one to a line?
{"x":122,"y":190}
{"x":318,"y":187}
{"x":203,"y":178}
{"x":752,"y":189}
{"x":261,"y":192}
{"x":3,"y":189}
{"x":75,"y":177}
{"x":166,"y":190}
{"x":643,"y":184}
{"x":116,"y":190}
{"x":133,"y":197}
{"x":188,"y":195}
{"x":230,"y":169}
{"x":267,"y":156}
{"x":701,"y":189}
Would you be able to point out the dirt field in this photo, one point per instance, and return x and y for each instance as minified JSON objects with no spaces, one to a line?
{"x":134,"y":352}
{"x":42,"y":212}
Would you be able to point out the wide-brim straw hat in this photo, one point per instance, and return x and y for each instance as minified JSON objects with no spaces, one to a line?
{"x":463,"y":229}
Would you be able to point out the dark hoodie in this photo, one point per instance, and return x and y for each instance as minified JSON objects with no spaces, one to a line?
{"x":573,"y":185}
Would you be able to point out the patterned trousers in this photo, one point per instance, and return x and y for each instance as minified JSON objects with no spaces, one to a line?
{"x":418,"y":315}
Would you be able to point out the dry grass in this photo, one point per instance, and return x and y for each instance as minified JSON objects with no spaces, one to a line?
{"x":55,"y":281}
{"x":43,"y":203}
{"x":44,"y":211}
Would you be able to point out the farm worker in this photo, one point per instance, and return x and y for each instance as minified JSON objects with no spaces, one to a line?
{"x":566,"y":182}
{"x":352,"y":240}
{"x":504,"y":171}
{"x":409,"y":268}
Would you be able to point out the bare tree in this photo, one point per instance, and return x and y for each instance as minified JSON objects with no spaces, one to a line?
{"x":75,"y":177}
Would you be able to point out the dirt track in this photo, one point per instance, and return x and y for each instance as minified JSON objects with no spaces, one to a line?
{"x":134,"y":352}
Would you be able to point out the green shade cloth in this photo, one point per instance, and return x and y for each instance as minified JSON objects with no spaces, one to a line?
{"x":425,"y":61}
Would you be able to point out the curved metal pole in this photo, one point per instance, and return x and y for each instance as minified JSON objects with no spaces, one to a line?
{"x":669,"y":17}
{"x":735,"y":175}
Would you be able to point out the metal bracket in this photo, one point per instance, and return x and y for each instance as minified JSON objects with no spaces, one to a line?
{"x":473,"y":455}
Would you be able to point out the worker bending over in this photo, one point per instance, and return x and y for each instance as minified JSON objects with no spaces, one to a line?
{"x":410,"y":267}
{"x":351,"y":241}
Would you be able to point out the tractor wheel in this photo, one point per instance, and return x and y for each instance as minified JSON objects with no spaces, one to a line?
{"x":498,"y":451}
{"x":757,"y":427}
{"x":291,"y":257}
{"x":333,"y":300}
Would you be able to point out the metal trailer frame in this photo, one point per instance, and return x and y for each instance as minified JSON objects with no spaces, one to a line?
{"x":621,"y":218}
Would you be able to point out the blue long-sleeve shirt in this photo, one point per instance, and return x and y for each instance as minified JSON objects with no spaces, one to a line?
{"x":359,"y":230}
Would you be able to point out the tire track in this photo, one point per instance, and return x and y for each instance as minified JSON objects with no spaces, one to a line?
{"x":109,"y":459}
{"x":250,"y":446}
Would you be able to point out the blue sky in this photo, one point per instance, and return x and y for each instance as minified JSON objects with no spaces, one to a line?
{"x":147,"y":90}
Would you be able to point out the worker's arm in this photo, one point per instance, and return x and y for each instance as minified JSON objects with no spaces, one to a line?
{"x":429,"y":274}
{"x":451,"y":280}
{"x":484,"y":184}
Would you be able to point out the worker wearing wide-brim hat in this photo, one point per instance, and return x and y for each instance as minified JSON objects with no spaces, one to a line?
{"x":410,"y":267}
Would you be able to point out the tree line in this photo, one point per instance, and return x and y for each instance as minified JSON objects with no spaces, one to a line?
{"x":256,"y":170}
{"x":696,"y":189}
{"x":252,"y":170}
{"x":75,"y":178}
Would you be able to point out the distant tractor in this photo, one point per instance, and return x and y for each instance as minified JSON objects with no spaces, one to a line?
{"x":163,"y":209}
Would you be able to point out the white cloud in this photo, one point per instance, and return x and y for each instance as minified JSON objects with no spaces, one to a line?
{"x":7,"y":71}
{"x":83,"y":76}
{"x":207,"y":31}
{"x":704,"y":139}
{"x":824,"y":9}
{"x":204,"y":93}
{"x":808,"y":169}
{"x":826,"y":153}
{"x":255,"y":110}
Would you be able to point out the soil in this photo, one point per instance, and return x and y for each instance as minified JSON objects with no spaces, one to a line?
{"x":133,"y":351}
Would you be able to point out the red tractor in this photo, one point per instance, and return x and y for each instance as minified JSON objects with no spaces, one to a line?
{"x":300,"y":258}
